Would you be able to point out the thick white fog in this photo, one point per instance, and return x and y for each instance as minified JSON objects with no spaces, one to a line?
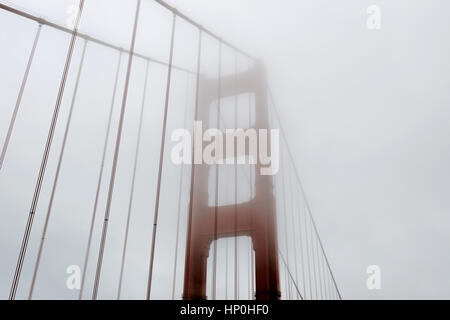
{"x":366,"y":114}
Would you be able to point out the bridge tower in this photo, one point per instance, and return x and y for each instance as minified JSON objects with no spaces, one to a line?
{"x":255,"y":218}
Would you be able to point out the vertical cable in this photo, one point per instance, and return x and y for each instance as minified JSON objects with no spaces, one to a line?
{"x":250,"y":257}
{"x":283,"y":185}
{"x":226,"y":268}
{"x":325,"y":280}
{"x":319,"y":267}
{"x":252,"y":168}
{"x":293,"y":230}
{"x":133,"y":180}
{"x":161,"y":159}
{"x":278,"y":194}
{"x":216,"y":200}
{"x":191,"y":191}
{"x":116,"y":156}
{"x":327,"y":288}
{"x":313,"y":258}
{"x":301,"y":242}
{"x":249,"y":290}
{"x":236,"y":268}
{"x":179,"y":195}
{"x":253,"y":269}
{"x":100,"y":176}
{"x":58,"y":170}
{"x":19,"y":97}
{"x":307,"y":255}
{"x":336,"y":289}
{"x":41,"y":174}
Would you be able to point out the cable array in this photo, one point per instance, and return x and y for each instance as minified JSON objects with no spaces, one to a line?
{"x":304,"y":264}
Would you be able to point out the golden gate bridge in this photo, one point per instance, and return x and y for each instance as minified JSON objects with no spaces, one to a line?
{"x":244,"y":235}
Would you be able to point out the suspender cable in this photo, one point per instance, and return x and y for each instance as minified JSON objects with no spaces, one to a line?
{"x":319,"y":269}
{"x":301,"y":242}
{"x":303,"y":192}
{"x":133,"y":180}
{"x":116,"y":156}
{"x":161,"y":159}
{"x":19,"y":97}
{"x":293,"y":229}
{"x":191,"y":191}
{"x":250,"y":249}
{"x":226,"y":268}
{"x":252,"y":261}
{"x":319,"y":276}
{"x":283,"y":186}
{"x":278,"y":190}
{"x":99,"y":183}
{"x":313,"y":258}
{"x":325,"y":279}
{"x":252,"y":267}
{"x":236,"y":269}
{"x":58,"y":170}
{"x":250,"y":253}
{"x":308,"y":261}
{"x":216,"y":194}
{"x":249,"y":291}
{"x":41,"y":174}
{"x":179,"y":196}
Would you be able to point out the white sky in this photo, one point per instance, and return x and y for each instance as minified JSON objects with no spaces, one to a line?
{"x":366,"y":113}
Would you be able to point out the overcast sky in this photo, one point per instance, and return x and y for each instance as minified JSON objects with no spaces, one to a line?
{"x":366,"y":113}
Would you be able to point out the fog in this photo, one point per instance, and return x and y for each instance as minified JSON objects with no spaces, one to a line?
{"x":365,"y":112}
